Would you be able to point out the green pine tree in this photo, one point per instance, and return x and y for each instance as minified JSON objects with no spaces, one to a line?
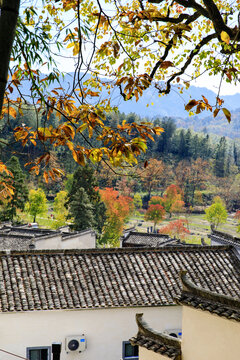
{"x":81,"y":210}
{"x":220,"y":158}
{"x":20,"y":196}
{"x":84,"y":178}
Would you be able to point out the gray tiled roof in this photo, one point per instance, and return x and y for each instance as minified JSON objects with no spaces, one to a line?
{"x":104,"y":278}
{"x":156,"y":346}
{"x":20,"y":237}
{"x":157,"y":342}
{"x":201,"y":299}
{"x":224,"y":238}
{"x":147,"y":239}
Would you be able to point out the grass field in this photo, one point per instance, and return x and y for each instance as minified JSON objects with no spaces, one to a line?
{"x":197,"y":225}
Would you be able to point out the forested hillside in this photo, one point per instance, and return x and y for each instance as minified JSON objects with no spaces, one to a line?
{"x":181,"y":171}
{"x":212,"y":125}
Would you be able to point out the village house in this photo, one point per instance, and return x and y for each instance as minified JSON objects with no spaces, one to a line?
{"x":140,"y":239}
{"x":221,"y":238}
{"x":85,"y":301}
{"x":25,"y":237}
{"x":210,"y":328}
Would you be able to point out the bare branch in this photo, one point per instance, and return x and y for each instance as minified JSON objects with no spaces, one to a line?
{"x":188,"y":62}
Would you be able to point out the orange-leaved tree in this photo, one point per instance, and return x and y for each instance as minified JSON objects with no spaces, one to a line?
{"x":155,"y":213}
{"x":171,"y":200}
{"x":176,"y":229}
{"x":119,"y":208}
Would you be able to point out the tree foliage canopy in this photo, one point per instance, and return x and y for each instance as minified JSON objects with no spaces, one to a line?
{"x":84,"y":178}
{"x":18,"y":199}
{"x":118,"y":208}
{"x":216,"y":214}
{"x":155,"y":213}
{"x":37,"y":203}
{"x":120,"y":49}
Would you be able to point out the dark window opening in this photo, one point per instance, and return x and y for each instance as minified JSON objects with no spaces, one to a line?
{"x":129,"y":351}
{"x":38,"y":353}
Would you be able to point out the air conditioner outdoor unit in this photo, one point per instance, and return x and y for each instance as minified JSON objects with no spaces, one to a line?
{"x":75,"y":343}
{"x":177,"y":333}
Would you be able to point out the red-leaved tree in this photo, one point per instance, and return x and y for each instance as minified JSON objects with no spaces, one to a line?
{"x":171,"y":201}
{"x":176,"y":229}
{"x":237,"y":215}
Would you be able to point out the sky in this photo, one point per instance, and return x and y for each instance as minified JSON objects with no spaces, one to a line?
{"x":210,"y":82}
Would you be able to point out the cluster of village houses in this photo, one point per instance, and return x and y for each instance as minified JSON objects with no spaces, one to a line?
{"x":153,"y":298}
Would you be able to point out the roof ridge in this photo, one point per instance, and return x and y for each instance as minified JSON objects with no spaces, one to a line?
{"x":225,"y":235}
{"x":191,"y":289}
{"x":118,"y":250}
{"x":148,"y":234}
{"x":144,"y":329}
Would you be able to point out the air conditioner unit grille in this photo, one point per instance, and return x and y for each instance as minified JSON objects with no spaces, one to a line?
{"x":75,"y":343}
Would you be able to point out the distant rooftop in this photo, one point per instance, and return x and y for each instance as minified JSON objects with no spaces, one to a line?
{"x":224,"y":238}
{"x":140,"y":239}
{"x":220,"y":238}
{"x":24,"y":237}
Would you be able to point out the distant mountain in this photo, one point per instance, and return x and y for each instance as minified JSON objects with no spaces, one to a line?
{"x":218,"y":125}
{"x":172,"y":105}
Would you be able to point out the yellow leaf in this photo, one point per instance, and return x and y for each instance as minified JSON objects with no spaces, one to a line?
{"x":12,"y":112}
{"x":227,"y":114}
{"x":70,"y":45}
{"x":76,"y":49}
{"x":136,"y":94}
{"x":225,"y":37}
{"x":33,"y":142}
{"x":70,"y":145}
{"x":81,"y":128}
{"x":216,"y":111}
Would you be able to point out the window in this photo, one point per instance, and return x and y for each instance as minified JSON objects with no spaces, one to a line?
{"x":38,"y":353}
{"x":129,"y":352}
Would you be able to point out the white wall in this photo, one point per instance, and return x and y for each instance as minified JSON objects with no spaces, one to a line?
{"x":208,"y":336}
{"x":49,"y":242}
{"x":104,"y":329}
{"x":83,"y":240}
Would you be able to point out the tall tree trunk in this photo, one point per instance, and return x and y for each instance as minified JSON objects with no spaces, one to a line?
{"x":9,"y":10}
